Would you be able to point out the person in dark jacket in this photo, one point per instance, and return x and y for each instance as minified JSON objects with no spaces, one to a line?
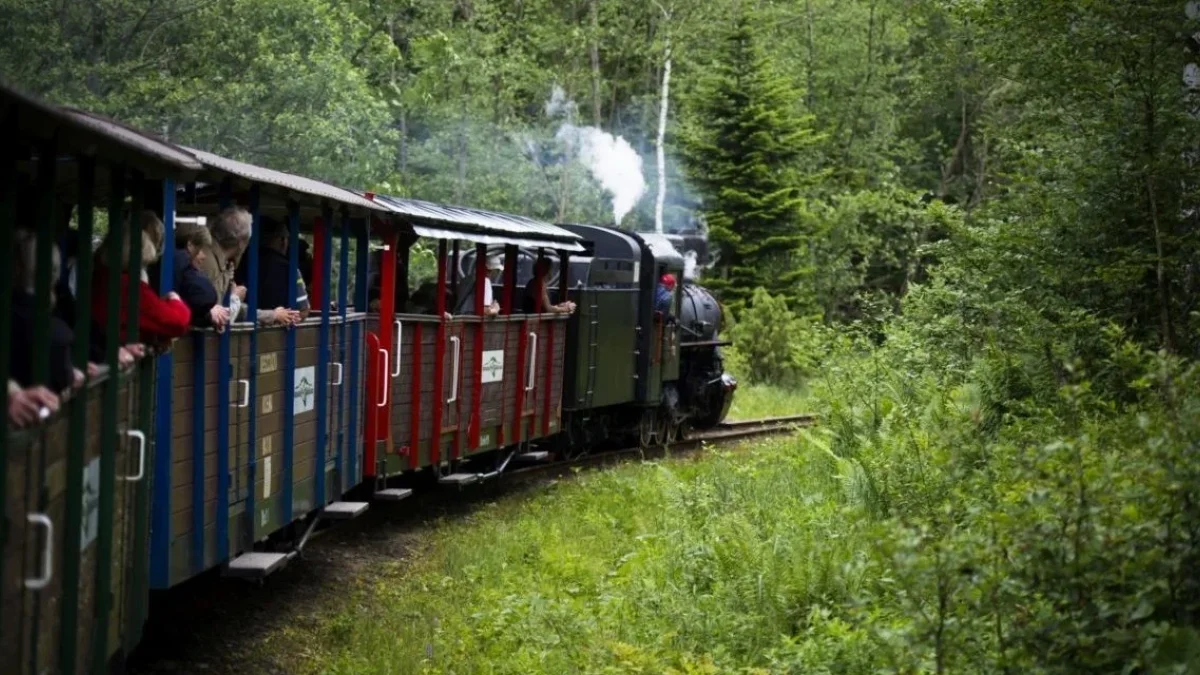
{"x":63,"y":375}
{"x":537,"y":292}
{"x":192,"y":243}
{"x":273,"y":272}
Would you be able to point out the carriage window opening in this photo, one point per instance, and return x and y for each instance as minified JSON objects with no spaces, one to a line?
{"x":159,"y":319}
{"x":274,"y":277}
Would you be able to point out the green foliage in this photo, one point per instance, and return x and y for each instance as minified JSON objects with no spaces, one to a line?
{"x":274,"y":82}
{"x":868,"y":249}
{"x":771,"y":342}
{"x":964,"y":230}
{"x":742,"y":152}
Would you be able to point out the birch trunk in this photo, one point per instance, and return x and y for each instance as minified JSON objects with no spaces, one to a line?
{"x":661,"y":154}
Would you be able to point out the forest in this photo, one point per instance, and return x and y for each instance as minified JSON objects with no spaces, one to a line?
{"x":963,"y":232}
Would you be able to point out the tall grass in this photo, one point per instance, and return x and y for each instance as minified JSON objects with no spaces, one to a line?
{"x":704,"y":566}
{"x":754,"y":401}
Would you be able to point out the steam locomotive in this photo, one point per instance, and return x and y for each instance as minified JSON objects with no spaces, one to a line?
{"x":225,"y":451}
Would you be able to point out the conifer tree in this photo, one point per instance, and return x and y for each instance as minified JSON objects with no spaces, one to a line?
{"x":742,"y":151}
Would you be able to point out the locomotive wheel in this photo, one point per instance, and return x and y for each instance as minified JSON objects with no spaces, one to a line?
{"x":648,"y":429}
{"x":674,"y":432}
{"x":666,"y":430}
{"x":576,"y":445}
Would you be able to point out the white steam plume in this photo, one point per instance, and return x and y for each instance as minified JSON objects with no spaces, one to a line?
{"x":615,"y":165}
{"x":691,"y":269}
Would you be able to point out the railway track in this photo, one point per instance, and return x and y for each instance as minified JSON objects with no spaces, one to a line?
{"x":722,"y":433}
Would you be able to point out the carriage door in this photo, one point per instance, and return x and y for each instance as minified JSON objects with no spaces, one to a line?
{"x":529,"y":377}
{"x":453,"y":392}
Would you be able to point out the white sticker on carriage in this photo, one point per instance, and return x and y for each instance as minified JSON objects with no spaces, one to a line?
{"x":305,"y":394}
{"x":91,"y":503}
{"x":493,"y":366}
{"x":267,"y":467}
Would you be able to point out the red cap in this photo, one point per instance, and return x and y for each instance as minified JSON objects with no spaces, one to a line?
{"x":668,"y":280}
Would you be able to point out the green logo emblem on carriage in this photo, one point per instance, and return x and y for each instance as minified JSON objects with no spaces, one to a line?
{"x":305,"y":389}
{"x":304,"y":396}
{"x":492,"y":366}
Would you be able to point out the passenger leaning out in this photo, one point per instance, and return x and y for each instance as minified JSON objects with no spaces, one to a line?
{"x":537,"y":292}
{"x":466,"y":302}
{"x":160,"y":319}
{"x":664,"y":295}
{"x":230,"y":230}
{"x":192,"y":245}
{"x":274,"y":275}
{"x":63,"y":375}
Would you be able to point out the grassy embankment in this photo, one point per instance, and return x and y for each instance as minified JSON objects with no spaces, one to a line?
{"x":672,"y":564}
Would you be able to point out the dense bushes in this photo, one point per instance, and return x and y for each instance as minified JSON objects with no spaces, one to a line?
{"x":988,"y":526}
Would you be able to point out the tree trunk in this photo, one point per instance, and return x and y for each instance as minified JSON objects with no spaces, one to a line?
{"x":660,"y":144}
{"x":460,"y":186}
{"x":403,"y":156}
{"x":810,"y":96}
{"x":595,"y":49}
{"x":952,"y":164}
{"x":1166,"y":325}
{"x":660,"y":139}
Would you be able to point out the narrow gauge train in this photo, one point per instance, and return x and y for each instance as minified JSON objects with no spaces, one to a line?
{"x":224,"y":451}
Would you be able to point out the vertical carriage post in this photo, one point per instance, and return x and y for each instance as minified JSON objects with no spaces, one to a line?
{"x":69,"y":641}
{"x":322,"y":246}
{"x":224,"y":375}
{"x":44,"y":227}
{"x":414,"y":410}
{"x":473,"y":430}
{"x":362,"y":234}
{"x":160,"y":526}
{"x":564,"y":286}
{"x":8,"y":198}
{"x":108,"y":432}
{"x":439,"y":350}
{"x":140,"y":417}
{"x":506,"y":309}
{"x":252,"y":263}
{"x":520,"y":432}
{"x":342,"y":298}
{"x":452,"y":287}
{"x":289,"y":374}
{"x":153,"y":407}
{"x":375,"y":465}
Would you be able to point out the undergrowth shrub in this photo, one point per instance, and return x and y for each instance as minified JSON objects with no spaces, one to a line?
{"x":773,"y":345}
{"x":1037,"y":519}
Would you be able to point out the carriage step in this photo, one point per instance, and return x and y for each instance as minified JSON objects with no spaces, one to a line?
{"x":255,"y":565}
{"x":393,"y":494}
{"x":535,"y":456}
{"x":344,"y":510}
{"x":459,"y":479}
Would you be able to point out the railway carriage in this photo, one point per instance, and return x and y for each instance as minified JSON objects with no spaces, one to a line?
{"x":227,"y":450}
{"x":452,"y":388}
{"x":76,"y":490}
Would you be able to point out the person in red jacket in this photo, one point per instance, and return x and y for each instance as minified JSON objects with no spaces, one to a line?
{"x":160,"y":320}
